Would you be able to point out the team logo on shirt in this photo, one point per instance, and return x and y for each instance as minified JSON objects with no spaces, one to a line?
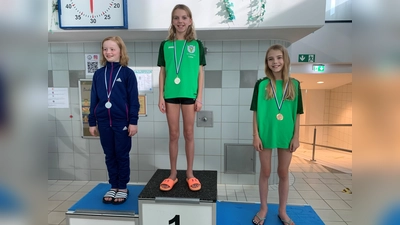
{"x":191,"y":48}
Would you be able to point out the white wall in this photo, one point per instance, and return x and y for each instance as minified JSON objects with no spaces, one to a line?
{"x":156,"y":14}
{"x":330,"y":44}
{"x":314,"y":105}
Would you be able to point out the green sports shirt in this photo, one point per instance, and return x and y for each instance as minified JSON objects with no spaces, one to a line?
{"x":187,"y":65}
{"x":276,"y":133}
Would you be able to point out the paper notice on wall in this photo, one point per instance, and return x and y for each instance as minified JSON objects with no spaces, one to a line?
{"x":144,"y":79}
{"x":58,"y":98}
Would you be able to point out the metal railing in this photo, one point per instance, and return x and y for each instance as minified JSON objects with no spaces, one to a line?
{"x":315,"y":137}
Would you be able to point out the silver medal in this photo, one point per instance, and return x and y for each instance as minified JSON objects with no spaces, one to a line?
{"x":177,"y":80}
{"x":108,"y":105}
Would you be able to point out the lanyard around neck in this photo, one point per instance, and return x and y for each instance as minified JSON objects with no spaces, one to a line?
{"x":105,"y":81}
{"x":178,"y":65}
{"x":276,"y":97}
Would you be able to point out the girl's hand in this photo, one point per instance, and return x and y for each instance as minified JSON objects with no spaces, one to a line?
{"x":161,"y":105}
{"x":197,"y":105}
{"x":294,"y":144}
{"x":132,"y":130}
{"x":93,"y":131}
{"x":257,"y":143}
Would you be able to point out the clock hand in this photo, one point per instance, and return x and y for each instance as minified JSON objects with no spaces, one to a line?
{"x":91,"y":6}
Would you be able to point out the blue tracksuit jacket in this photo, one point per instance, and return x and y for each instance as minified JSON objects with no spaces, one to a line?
{"x":124,"y":96}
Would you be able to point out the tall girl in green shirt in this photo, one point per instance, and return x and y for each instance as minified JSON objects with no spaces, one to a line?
{"x":181,"y":59}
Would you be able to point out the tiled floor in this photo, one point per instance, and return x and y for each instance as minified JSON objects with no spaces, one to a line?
{"x":339,"y":160}
{"x":314,"y":183}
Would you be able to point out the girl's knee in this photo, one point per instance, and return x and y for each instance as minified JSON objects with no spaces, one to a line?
{"x":174,"y":136}
{"x":188,"y":135}
{"x":266,"y":173}
{"x":283,"y":173}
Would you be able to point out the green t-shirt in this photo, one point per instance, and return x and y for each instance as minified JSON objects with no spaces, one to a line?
{"x":187,"y":66}
{"x":276,"y":133}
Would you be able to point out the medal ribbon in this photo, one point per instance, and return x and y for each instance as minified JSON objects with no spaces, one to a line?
{"x":276,"y":97}
{"x":178,"y":66}
{"x":105,"y":81}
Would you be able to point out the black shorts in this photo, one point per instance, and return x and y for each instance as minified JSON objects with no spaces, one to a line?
{"x":183,"y":101}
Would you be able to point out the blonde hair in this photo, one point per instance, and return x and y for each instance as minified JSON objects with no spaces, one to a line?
{"x":290,"y":93}
{"x":124,"y":54}
{"x":190,"y":32}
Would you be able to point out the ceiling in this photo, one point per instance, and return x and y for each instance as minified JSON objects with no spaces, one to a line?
{"x":331,"y":80}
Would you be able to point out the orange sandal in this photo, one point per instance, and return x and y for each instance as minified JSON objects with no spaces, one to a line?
{"x":168,"y":182}
{"x":193,"y":181}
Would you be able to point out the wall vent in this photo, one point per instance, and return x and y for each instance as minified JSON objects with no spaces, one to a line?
{"x":240,"y":158}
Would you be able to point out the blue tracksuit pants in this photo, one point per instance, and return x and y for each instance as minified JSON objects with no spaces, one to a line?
{"x":116,"y":145}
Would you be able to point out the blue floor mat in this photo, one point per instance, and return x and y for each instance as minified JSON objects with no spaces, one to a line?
{"x":241,"y":213}
{"x":93,"y":201}
{"x":10,"y":202}
{"x":228,"y":213}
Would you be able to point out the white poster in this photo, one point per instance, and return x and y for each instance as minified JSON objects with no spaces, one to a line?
{"x":144,"y":79}
{"x":58,"y":98}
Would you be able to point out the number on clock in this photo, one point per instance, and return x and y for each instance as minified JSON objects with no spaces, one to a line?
{"x":92,"y":14}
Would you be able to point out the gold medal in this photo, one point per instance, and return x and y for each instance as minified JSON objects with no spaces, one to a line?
{"x":279,"y":116}
{"x":177,"y":80}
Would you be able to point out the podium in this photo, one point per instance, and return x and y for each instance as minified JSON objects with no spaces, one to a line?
{"x":147,"y":205}
{"x":179,"y":205}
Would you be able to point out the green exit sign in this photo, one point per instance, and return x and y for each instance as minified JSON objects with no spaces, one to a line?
{"x":318,"y":68}
{"x":306,"y":58}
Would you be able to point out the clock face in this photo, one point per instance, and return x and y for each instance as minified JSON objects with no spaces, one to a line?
{"x":92,"y":14}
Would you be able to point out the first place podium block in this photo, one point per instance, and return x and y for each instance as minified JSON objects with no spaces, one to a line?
{"x":180,"y":205}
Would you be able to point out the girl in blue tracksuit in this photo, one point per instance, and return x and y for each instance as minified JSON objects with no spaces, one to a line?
{"x":114,"y":108}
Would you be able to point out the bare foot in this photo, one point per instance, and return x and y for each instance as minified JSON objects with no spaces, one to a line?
{"x":121,"y":199}
{"x":285,"y":219}
{"x":259,"y":218}
{"x":110,"y":199}
{"x":189,"y":174}
{"x":172,"y":176}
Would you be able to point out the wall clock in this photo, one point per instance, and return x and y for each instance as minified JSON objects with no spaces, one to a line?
{"x":93,"y":14}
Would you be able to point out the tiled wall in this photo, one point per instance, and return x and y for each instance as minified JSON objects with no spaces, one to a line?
{"x":232,"y":69}
{"x":332,"y":106}
{"x":338,"y":110}
{"x":314,"y":107}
